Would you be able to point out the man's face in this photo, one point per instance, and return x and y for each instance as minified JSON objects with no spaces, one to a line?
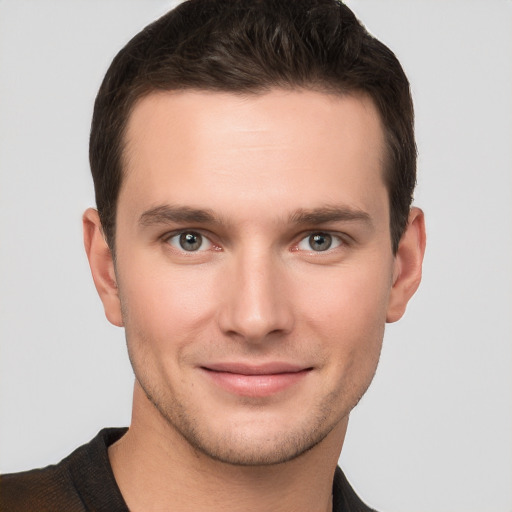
{"x":254,"y":265}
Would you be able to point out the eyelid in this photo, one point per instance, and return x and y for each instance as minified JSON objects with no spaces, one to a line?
{"x":341,"y":238}
{"x":167,"y":237}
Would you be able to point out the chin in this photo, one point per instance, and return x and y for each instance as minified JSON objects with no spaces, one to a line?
{"x":247,"y":449}
{"x":254,"y":439}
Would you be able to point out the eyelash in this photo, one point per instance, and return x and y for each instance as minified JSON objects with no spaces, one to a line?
{"x":334,"y":238}
{"x":177,"y":235}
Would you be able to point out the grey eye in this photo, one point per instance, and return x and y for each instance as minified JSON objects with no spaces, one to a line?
{"x":319,"y":242}
{"x":189,"y":241}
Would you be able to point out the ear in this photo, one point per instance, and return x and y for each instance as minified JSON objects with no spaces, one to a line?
{"x":102,"y":266}
{"x":407,"y":265}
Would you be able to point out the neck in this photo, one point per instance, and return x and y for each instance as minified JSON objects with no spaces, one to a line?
{"x":157,"y":469}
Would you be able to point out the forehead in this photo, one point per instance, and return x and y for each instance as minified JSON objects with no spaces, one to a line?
{"x":276,"y":149}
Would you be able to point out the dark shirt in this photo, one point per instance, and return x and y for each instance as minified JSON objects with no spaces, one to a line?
{"x":84,"y":482}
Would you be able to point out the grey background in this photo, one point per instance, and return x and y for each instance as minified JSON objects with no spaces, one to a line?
{"x":434,"y":433}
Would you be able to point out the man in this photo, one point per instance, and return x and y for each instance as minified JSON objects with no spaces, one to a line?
{"x":254,"y":164}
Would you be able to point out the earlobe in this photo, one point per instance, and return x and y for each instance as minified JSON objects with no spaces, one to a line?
{"x":407,"y":266}
{"x":102,"y":266}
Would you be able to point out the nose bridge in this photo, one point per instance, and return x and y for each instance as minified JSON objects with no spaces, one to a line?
{"x":256,"y":303}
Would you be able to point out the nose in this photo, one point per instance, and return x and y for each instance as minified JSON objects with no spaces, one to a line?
{"x":255,"y":302}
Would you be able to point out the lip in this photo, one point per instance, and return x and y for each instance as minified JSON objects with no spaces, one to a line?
{"x":261,"y":380}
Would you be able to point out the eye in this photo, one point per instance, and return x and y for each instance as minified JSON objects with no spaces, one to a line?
{"x":189,"y":241}
{"x":319,"y":242}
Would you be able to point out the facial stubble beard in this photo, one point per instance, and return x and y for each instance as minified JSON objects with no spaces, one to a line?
{"x":284,"y":450}
{"x":221,"y":450}
{"x":289,"y":446}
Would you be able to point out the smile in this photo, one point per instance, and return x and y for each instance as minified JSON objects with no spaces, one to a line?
{"x":255,"y":381}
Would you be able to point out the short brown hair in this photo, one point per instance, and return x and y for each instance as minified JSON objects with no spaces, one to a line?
{"x":244,"y":46}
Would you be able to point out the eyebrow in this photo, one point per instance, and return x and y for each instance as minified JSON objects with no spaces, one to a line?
{"x":327,"y":214}
{"x":167,"y":213}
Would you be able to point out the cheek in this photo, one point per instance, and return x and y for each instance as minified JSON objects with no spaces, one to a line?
{"x":351,"y":320}
{"x":348,"y":306}
{"x":356,"y":292}
{"x":166,"y":306}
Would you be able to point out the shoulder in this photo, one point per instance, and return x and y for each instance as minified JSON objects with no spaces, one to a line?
{"x":49,"y":488}
{"x":67,"y":485}
{"x":345,"y":498}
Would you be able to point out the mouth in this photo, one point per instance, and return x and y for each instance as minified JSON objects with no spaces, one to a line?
{"x":255,"y":380}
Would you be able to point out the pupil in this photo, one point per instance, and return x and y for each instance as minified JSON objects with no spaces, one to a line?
{"x":190,"y":241}
{"x":320,"y":241}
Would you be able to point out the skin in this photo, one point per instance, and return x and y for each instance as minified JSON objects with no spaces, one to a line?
{"x":267,"y":172}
